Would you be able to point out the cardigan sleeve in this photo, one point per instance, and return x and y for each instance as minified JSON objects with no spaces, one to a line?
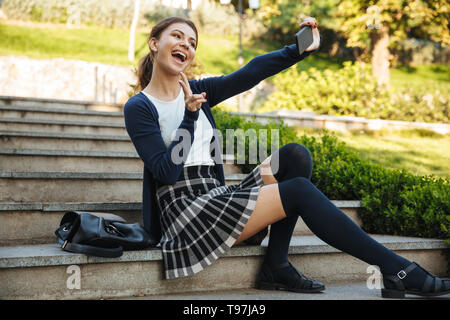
{"x":165,"y":163}
{"x":259,"y":68}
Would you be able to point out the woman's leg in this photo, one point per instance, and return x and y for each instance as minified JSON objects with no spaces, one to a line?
{"x":290,"y":161}
{"x":298,"y":196}
{"x":268,"y":210}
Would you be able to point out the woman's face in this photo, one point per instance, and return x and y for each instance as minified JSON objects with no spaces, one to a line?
{"x":175,"y":49}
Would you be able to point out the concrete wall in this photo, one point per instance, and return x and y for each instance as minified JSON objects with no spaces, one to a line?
{"x":64,"y":79}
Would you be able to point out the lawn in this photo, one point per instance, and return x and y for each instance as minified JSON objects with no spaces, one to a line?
{"x":419,"y":151}
{"x":90,"y":44}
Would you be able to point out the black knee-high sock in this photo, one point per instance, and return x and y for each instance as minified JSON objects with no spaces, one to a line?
{"x":300,"y":197}
{"x":290,"y":161}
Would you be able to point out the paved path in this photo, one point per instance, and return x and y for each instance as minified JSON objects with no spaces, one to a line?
{"x":337,"y":291}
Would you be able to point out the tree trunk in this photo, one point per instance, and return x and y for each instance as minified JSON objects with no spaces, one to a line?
{"x":380,"y":55}
{"x":137,"y":4}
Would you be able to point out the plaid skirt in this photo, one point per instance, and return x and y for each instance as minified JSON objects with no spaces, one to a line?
{"x":201,"y":220}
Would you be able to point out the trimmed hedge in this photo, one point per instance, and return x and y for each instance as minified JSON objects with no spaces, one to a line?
{"x":394,"y":202}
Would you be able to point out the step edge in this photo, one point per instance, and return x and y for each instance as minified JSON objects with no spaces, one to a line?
{"x":117,"y":206}
{"x":58,"y":135}
{"x":87,"y":175}
{"x":57,"y":257}
{"x":62,"y":122}
{"x":69,"y":153}
{"x":62,"y":101}
{"x":61,"y":111}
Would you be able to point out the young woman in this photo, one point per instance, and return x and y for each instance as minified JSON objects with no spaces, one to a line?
{"x":187,"y":208}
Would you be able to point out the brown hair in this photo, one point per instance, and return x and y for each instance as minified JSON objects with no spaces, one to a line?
{"x":145,"y":67}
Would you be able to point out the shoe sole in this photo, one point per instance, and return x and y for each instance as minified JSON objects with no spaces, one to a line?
{"x":397,"y":294}
{"x":282,"y":287}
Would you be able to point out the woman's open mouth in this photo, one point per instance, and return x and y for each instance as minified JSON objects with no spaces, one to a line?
{"x":179,"y":56}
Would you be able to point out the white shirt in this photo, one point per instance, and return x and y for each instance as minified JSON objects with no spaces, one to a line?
{"x":171,"y":114}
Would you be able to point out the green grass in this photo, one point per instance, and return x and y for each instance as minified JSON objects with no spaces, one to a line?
{"x":421,"y":152}
{"x":89,"y":44}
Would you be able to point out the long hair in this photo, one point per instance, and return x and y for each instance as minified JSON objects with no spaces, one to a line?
{"x":145,"y":68}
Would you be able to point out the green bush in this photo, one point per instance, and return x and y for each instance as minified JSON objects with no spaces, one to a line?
{"x":394,"y":202}
{"x":353,"y":91}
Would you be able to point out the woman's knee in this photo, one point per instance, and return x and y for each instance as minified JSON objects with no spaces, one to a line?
{"x":297,"y":151}
{"x":290,"y":161}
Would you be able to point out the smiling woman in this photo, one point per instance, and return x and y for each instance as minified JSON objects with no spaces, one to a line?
{"x":194,"y":216}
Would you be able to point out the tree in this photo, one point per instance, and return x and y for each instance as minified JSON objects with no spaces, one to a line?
{"x":137,"y":5}
{"x":374,"y":26}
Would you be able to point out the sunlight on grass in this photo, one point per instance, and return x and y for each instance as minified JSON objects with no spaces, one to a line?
{"x":418,"y":151}
{"x":433,"y":76}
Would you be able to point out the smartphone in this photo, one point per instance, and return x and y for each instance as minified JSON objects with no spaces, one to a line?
{"x":304,"y":38}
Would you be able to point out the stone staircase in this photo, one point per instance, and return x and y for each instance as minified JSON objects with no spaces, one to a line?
{"x":57,"y":156}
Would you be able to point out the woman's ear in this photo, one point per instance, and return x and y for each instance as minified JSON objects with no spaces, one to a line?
{"x":153,"y":44}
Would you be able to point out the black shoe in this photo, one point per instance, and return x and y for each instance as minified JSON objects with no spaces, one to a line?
{"x":395,"y":288}
{"x":286,"y":277}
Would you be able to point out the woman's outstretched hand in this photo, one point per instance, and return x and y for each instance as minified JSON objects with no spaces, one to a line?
{"x":310,"y":21}
{"x":193,"y":101}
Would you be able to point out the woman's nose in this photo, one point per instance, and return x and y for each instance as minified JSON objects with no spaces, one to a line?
{"x":184,"y":42}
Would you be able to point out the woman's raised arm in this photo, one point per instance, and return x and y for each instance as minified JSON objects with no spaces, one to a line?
{"x":259,"y":68}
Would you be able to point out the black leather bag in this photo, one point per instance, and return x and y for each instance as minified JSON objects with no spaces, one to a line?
{"x":99,"y":234}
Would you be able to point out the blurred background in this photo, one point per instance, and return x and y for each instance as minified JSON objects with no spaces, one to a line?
{"x":381,"y":60}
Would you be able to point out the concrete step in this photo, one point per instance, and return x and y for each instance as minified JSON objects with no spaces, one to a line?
{"x":76,"y":186}
{"x":35,"y":222}
{"x":57,"y":103}
{"x":29,"y":160}
{"x":48,"y":113}
{"x":61,"y":126}
{"x":65,"y":141}
{"x":46,"y":272}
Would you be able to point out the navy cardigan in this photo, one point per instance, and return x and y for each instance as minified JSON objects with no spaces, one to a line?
{"x":141,"y":121}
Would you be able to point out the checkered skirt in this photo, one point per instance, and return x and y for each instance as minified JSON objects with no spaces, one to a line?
{"x":201,"y":220}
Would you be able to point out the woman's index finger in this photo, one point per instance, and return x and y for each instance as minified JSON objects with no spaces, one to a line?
{"x":186,"y":82}
{"x":185,"y":89}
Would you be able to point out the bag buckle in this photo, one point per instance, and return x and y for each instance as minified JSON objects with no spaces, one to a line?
{"x":401,"y":274}
{"x":113,"y":230}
